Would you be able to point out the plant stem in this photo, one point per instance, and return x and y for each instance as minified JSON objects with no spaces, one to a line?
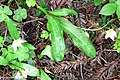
{"x":17,"y":3}
{"x":112,"y":20}
{"x":43,"y":10}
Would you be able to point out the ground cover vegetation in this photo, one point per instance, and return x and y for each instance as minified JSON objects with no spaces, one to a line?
{"x":59,"y":39}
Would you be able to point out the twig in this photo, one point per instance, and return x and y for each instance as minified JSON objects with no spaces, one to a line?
{"x":99,"y":28}
{"x":17,"y":3}
{"x":37,"y":19}
{"x":81,"y":71}
{"x":109,"y":50}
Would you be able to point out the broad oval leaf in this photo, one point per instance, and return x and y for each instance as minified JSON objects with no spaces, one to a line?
{"x":12,"y":27}
{"x":108,"y":9}
{"x":78,"y":37}
{"x":44,"y":76}
{"x":63,"y":12}
{"x":57,"y":39}
{"x":118,"y":9}
{"x":31,"y":70}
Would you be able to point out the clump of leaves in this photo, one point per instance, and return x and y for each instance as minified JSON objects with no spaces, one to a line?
{"x":44,"y":34}
{"x":112,"y":7}
{"x":4,"y":12}
{"x":20,"y":14}
{"x":14,"y":59}
{"x":57,"y":25}
{"x":8,"y":56}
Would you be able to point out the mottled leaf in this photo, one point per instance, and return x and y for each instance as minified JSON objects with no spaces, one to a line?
{"x":63,"y":12}
{"x":78,"y":37}
{"x":57,"y":39}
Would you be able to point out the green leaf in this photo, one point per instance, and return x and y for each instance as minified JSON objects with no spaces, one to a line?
{"x":43,"y":3}
{"x":78,"y":37}
{"x":29,"y":46}
{"x":23,"y":13}
{"x":8,"y":39}
{"x":46,"y":51}
{"x":23,"y":49}
{"x":31,"y":54}
{"x":118,"y":9}
{"x":17,"y":18}
{"x":44,"y":34}
{"x":3,"y":61}
{"x":12,"y":27}
{"x":48,"y":27}
{"x":10,"y":49}
{"x":4,"y":52}
{"x":117,"y":43}
{"x":20,"y":14}
{"x":11,"y":56}
{"x":22,"y":56}
{"x":32,"y":71}
{"x":38,"y":13}
{"x":63,"y":12}
{"x":30,"y":61}
{"x":118,"y":50}
{"x":7,"y":10}
{"x":2,"y":17}
{"x":118,"y":2}
{"x":108,"y":9}
{"x":57,"y":39}
{"x":1,"y":39}
{"x":1,"y":9}
{"x":16,"y":65}
{"x":97,"y":2}
{"x":31,"y":3}
{"x":22,"y":53}
{"x":1,"y":44}
{"x":112,"y":0}
{"x":44,"y":76}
